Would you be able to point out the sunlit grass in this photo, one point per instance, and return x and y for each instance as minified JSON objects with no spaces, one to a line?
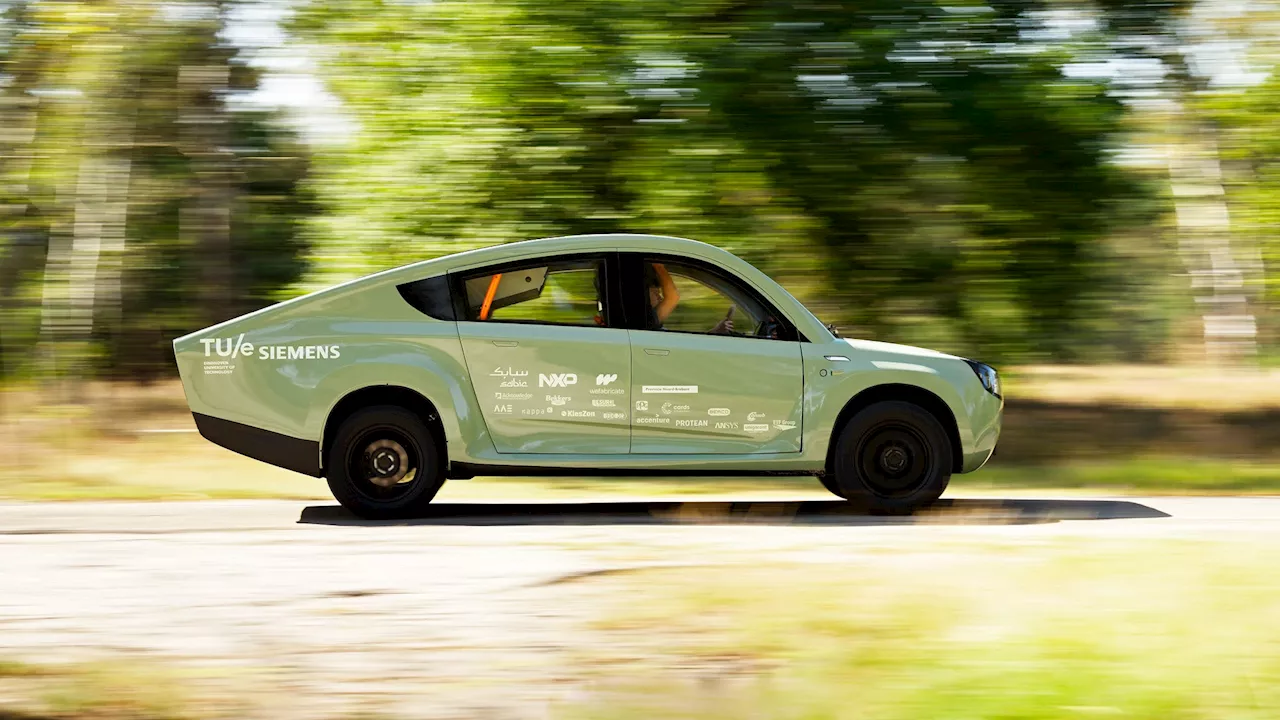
{"x":99,"y":450}
{"x":187,"y":467}
{"x":1138,"y":630}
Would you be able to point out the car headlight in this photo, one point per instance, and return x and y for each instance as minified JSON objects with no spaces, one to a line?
{"x":987,"y":376}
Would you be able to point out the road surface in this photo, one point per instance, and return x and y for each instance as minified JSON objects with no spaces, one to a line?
{"x":344,"y":615}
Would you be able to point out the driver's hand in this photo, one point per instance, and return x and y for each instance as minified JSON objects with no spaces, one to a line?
{"x":724,"y":327}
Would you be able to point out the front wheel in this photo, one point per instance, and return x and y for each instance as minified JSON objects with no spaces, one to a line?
{"x":828,"y":481}
{"x":384,"y":463}
{"x":892,"y":457}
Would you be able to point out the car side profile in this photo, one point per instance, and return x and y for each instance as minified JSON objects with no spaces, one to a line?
{"x":594,"y":355}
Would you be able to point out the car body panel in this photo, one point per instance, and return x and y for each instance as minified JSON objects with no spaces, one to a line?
{"x":267,"y":370}
{"x":715,"y":394}
{"x":536,"y":383}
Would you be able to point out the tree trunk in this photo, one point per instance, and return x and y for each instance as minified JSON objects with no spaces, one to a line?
{"x":1205,"y":244}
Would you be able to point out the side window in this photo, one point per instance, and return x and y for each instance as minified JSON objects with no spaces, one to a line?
{"x":566,"y":292}
{"x":688,"y":298}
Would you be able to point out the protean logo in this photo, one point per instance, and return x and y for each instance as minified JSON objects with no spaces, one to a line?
{"x":605,"y":379}
{"x":557,"y":380}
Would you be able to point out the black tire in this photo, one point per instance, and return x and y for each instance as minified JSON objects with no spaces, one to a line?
{"x":828,"y":481}
{"x":892,"y":457}
{"x":384,"y":463}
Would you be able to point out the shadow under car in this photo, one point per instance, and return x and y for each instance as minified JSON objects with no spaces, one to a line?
{"x":962,"y":511}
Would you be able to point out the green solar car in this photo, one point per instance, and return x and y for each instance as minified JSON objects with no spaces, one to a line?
{"x":591,"y":355}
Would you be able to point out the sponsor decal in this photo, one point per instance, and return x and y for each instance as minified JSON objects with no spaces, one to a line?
{"x":558,"y":400}
{"x":726,"y":426}
{"x":605,"y":379}
{"x":236,"y":348}
{"x":512,"y":396}
{"x":296,"y":352}
{"x":669,"y":389}
{"x":535,"y":412}
{"x":614,"y":415}
{"x":606,"y":402}
{"x":755,"y":427}
{"x":557,"y":380}
{"x":666,"y":408}
{"x":717,"y":412}
{"x":513,"y":383}
{"x":606,"y":391}
{"x":752,"y":417}
{"x":508,"y":373}
{"x":642,"y":405}
{"x":502,"y":409}
{"x":219,"y":367}
{"x":578,"y":413}
{"x":227,"y":347}
{"x":692,"y":423}
{"x":653,"y":421}
{"x":783,"y":424}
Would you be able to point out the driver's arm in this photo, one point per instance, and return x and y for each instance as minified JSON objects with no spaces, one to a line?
{"x":670,"y":295}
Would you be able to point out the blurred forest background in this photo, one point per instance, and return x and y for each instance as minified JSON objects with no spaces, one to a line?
{"x":1025,"y":182}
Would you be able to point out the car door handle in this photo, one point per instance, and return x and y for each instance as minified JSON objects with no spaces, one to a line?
{"x":505,"y":343}
{"x":656,"y":351}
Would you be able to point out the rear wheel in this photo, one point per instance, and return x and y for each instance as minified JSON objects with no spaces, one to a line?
{"x":828,"y":481}
{"x":892,"y":457}
{"x":384,"y":463}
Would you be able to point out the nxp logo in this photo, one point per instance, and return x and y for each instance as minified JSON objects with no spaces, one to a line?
{"x":557,"y":380}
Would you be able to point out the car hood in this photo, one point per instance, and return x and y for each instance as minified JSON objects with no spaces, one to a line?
{"x":891,"y":349}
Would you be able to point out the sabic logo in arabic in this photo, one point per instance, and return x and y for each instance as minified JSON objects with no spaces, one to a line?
{"x":508,"y":373}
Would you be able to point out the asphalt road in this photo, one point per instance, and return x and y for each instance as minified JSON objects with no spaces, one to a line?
{"x":406,"y":617}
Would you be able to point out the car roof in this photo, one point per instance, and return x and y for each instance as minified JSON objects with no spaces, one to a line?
{"x":575,"y":243}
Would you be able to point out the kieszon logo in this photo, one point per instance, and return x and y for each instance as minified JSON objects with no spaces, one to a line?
{"x":237,"y":347}
{"x":557,"y":380}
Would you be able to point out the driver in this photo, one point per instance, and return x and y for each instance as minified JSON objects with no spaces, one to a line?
{"x":664,"y":297}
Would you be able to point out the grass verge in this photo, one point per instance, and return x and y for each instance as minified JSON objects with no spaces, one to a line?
{"x":1168,"y":630}
{"x":186,"y":467}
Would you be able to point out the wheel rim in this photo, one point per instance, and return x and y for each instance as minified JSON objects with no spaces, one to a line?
{"x":894,"y":459}
{"x":384,"y":463}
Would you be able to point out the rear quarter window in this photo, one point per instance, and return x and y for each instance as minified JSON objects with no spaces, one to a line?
{"x":430,"y":296}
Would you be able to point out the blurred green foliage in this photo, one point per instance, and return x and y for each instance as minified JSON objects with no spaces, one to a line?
{"x":954,"y":174}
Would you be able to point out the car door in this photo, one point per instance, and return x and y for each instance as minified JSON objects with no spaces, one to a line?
{"x":550,"y":372}
{"x":721,"y":373}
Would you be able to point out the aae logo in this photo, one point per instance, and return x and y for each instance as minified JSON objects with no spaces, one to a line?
{"x":557,"y":380}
